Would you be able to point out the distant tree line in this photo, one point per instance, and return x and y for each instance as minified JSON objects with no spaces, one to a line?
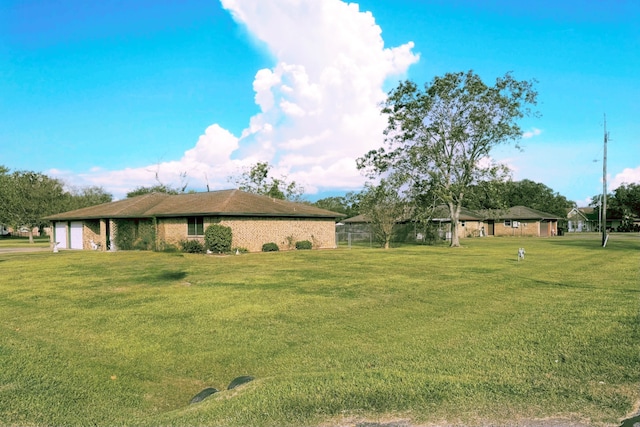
{"x":623,"y":203}
{"x":506,"y":194}
{"x":498,"y":195}
{"x":26,"y":197}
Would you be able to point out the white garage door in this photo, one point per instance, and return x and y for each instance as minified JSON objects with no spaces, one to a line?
{"x":76,"y":235}
{"x":61,"y":234}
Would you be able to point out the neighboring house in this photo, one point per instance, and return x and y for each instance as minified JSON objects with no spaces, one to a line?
{"x":520,"y":221}
{"x":254,"y":220}
{"x":358,"y":228}
{"x":515,"y":221}
{"x":354,"y":229}
{"x":470,"y":223}
{"x":588,"y":219}
{"x":356,"y":224}
{"x":582,"y":220}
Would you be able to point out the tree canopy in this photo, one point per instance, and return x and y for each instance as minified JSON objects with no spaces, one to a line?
{"x":258,"y":180}
{"x":505,"y":194}
{"x":77,"y":198}
{"x":349,"y":204}
{"x":439,"y":138}
{"x":26,"y":197}
{"x":623,"y":203}
{"x":159,"y":188}
{"x":626,"y":200}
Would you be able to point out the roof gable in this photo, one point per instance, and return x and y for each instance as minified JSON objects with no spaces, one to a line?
{"x":577,"y":212}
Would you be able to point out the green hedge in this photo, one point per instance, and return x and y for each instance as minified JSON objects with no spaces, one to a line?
{"x":270,"y":247}
{"x":304,"y":244}
{"x":135,"y":234}
{"x":192,"y":246}
{"x":217,"y":238}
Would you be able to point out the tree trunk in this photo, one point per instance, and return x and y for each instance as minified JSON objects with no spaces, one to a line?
{"x":30,"y":234}
{"x":454,"y":212}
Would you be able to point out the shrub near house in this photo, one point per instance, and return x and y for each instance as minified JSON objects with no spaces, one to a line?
{"x":217,"y":238}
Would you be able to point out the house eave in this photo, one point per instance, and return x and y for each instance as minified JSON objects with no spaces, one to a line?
{"x":242,"y":214}
{"x":53,"y":218}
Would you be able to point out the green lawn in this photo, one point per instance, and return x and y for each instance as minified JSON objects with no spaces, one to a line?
{"x":23,"y":242}
{"x":464,"y":336}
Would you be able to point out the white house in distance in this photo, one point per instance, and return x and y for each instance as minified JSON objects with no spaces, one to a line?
{"x":578,"y":220}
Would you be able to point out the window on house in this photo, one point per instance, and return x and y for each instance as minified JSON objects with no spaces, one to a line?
{"x":195,"y":226}
{"x":507,"y":223}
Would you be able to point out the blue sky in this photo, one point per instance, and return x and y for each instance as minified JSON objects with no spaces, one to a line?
{"x":121,"y":93}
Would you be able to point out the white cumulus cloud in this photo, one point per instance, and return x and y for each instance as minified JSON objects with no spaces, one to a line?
{"x":319,"y":102}
{"x":531,"y":133}
{"x":627,"y":176}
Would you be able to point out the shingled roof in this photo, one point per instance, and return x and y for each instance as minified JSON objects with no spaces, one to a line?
{"x":520,"y":213}
{"x":214,"y":203}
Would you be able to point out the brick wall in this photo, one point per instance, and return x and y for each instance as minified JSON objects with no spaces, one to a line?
{"x":524,"y":229}
{"x":470,"y":228}
{"x":91,"y":231}
{"x":251,"y":233}
{"x":172,"y":230}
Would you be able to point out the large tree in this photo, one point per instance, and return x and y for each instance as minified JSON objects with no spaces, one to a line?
{"x":627,"y":199}
{"x":26,"y":197}
{"x":623,"y":203}
{"x":439,"y":138}
{"x":258,"y":180}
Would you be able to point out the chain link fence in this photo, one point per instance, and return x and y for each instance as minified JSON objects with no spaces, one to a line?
{"x":361,"y":235}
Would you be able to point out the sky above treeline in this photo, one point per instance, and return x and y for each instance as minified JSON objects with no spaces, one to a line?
{"x":122,"y":94}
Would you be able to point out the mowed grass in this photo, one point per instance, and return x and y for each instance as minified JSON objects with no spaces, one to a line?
{"x":23,"y":242}
{"x":464,"y":336}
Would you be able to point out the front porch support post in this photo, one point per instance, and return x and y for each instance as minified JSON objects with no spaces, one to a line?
{"x":112,"y":235}
{"x":103,"y":235}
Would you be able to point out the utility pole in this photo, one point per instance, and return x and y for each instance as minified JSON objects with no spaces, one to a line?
{"x":604,"y":186}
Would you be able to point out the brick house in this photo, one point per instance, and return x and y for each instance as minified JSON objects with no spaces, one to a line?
{"x":515,"y":221}
{"x":520,"y":221}
{"x":159,"y":220}
{"x":469,"y":224}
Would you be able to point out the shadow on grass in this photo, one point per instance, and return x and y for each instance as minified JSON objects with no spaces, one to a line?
{"x":550,"y":284}
{"x":160,"y":277}
{"x":170,"y":276}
